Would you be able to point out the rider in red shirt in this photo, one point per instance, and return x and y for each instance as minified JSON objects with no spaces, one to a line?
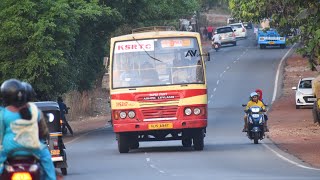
{"x":259,"y":92}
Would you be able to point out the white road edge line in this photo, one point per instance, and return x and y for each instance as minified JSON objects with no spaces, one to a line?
{"x":278,"y":73}
{"x":273,"y":99}
{"x":288,"y":160}
{"x":218,"y":82}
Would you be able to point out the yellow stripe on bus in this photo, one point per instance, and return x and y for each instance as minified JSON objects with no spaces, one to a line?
{"x":122,"y":104}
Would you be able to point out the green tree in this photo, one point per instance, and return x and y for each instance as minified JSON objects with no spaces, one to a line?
{"x":59,"y":45}
{"x":38,"y":41}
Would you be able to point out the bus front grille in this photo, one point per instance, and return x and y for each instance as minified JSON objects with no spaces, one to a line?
{"x":160,"y":113}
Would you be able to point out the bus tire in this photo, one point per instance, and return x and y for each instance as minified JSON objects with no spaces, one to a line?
{"x":123,"y":144}
{"x":198,"y":139}
{"x":187,"y":142}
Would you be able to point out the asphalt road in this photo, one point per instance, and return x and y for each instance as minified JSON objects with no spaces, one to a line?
{"x":232,"y":74}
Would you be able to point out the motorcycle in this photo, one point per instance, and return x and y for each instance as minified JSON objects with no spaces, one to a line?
{"x":20,"y":167}
{"x":256,"y":121}
{"x":216,"y":46}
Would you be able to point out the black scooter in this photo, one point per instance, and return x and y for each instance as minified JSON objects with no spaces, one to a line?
{"x":256,"y":121}
{"x":216,"y":46}
{"x":21,"y":167}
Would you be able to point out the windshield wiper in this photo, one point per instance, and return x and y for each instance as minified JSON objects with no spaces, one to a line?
{"x":146,"y":51}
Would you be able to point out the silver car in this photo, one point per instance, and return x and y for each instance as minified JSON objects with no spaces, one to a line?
{"x":227,"y":35}
{"x":304,"y":95}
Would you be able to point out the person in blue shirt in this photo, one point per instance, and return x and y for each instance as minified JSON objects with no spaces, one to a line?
{"x":17,"y":115}
{"x":64,"y":110}
{"x":129,"y":76}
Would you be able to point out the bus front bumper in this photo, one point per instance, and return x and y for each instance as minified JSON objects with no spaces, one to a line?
{"x":159,"y":125}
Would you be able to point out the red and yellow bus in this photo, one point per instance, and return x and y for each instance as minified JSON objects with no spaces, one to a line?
{"x":158,"y":88}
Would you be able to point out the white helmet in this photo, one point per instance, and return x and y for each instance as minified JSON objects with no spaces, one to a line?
{"x":253,"y":94}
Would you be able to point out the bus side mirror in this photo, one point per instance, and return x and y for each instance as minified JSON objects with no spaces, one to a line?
{"x":208,"y":56}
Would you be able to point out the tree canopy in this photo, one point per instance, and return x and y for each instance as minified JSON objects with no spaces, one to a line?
{"x":59,"y":45}
{"x":286,"y":15}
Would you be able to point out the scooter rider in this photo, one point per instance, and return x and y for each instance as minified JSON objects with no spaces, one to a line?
{"x":259,"y":92}
{"x":216,"y":39}
{"x":22,"y":120}
{"x":254,"y":101}
{"x":64,"y":110}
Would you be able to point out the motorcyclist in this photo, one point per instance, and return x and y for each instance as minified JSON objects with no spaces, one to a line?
{"x":216,"y":39}
{"x":259,"y":92}
{"x":22,"y":120}
{"x":254,"y":101}
{"x":64,"y":110}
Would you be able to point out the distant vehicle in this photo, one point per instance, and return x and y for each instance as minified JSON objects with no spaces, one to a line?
{"x":304,"y":95}
{"x":55,"y":140}
{"x":241,"y":31}
{"x":231,"y":20}
{"x":227,"y":35}
{"x":270,"y":37}
{"x":247,"y":25}
{"x":216,"y":46}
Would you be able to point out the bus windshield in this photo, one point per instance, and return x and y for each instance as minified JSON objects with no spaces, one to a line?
{"x":157,"y":62}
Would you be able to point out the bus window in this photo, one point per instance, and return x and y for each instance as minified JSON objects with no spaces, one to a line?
{"x":163,"y":61}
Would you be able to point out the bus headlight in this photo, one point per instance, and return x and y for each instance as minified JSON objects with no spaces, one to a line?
{"x":196,"y":111}
{"x":123,"y":114}
{"x":187,"y":111}
{"x":131,"y":114}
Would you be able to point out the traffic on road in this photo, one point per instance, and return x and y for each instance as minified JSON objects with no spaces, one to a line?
{"x":232,"y":74}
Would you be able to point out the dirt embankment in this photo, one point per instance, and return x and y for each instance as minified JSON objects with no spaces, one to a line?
{"x":291,"y":129}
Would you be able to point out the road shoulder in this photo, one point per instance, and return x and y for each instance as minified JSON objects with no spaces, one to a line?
{"x":291,"y":129}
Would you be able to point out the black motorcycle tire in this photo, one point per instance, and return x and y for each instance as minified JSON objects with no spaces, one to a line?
{"x":256,"y":137}
{"x":64,"y":171}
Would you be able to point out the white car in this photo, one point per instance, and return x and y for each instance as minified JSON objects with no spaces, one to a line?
{"x":304,"y":94}
{"x":241,"y":31}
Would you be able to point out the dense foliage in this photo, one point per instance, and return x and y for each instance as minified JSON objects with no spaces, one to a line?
{"x":286,"y":16}
{"x":59,"y":45}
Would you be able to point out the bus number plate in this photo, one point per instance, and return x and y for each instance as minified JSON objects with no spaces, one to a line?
{"x":160,"y":126}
